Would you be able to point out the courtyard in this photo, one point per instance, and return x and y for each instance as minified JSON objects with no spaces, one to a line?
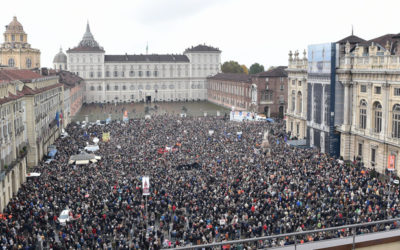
{"x":96,"y":112}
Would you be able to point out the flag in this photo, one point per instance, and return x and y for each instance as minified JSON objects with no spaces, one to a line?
{"x":391,"y":160}
{"x":58,"y":119}
{"x":106,"y":136}
{"x":146,"y":185}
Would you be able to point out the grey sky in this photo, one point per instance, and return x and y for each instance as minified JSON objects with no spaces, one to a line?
{"x":246,"y":31}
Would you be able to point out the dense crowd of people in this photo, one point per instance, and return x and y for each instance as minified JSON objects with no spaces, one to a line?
{"x":208,"y":183}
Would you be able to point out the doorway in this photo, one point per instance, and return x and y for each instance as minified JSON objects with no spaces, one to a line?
{"x":266,"y":111}
{"x":281,"y":108}
{"x":148,"y":99}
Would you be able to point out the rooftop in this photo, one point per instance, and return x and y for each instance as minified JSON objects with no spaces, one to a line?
{"x":87,"y":44}
{"x":352,"y":39}
{"x":23,"y":75}
{"x":234,"y":77}
{"x":202,"y":48}
{"x":68,"y":78}
{"x":279,"y":71}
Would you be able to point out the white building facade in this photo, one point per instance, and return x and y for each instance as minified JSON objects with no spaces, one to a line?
{"x":150,"y":77}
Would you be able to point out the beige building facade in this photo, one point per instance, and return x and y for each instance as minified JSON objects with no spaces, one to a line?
{"x":371,"y":129}
{"x":16,"y":52}
{"x":296,"y":113}
{"x":13,"y":140}
{"x":44,"y":104}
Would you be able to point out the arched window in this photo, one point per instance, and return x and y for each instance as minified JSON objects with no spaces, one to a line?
{"x":11,"y":62}
{"x":29,"y":63}
{"x":396,"y":121}
{"x":115,"y":87}
{"x":299,"y":102}
{"x":99,"y":88}
{"x":377,"y":114}
{"x":123,"y":87}
{"x":293,"y":100}
{"x":363,"y":114}
{"x":108,"y":87}
{"x":92,"y":88}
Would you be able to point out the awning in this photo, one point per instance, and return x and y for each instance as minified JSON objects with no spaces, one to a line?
{"x":33,"y":175}
{"x":92,"y":148}
{"x":298,"y":143}
{"x":82,"y":162}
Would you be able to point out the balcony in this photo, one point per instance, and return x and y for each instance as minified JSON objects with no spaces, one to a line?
{"x":9,"y":167}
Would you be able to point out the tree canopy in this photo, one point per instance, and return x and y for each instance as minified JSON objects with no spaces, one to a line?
{"x":245,"y":69}
{"x":231,"y":67}
{"x":256,"y":68}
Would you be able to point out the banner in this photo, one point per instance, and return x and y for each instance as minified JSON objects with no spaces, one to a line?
{"x":106,"y":136}
{"x":391,"y":161}
{"x":146,"y":185}
{"x":125,"y":116}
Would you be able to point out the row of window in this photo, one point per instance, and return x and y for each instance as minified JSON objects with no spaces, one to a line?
{"x":148,"y":87}
{"x":28,"y":62}
{"x":148,"y":73}
{"x":378,"y":90}
{"x":377,"y":118}
{"x":293,"y":82}
{"x":21,"y":38}
{"x":299,"y":102}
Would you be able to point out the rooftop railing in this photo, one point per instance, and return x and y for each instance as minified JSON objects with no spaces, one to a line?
{"x":298,"y":236}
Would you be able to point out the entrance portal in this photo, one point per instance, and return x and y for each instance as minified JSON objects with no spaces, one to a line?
{"x":148,"y":99}
{"x":281,"y":109}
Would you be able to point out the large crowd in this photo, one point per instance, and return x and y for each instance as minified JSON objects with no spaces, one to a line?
{"x":208,"y":183}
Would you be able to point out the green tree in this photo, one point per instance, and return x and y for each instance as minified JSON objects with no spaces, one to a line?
{"x":231,"y":67}
{"x":256,"y":68}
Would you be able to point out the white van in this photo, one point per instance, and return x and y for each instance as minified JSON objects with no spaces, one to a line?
{"x":64,"y":217}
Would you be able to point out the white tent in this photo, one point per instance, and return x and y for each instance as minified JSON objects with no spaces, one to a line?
{"x":33,"y":175}
{"x":92,"y":148}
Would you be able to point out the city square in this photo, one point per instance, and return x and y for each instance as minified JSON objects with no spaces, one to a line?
{"x":200,"y":124}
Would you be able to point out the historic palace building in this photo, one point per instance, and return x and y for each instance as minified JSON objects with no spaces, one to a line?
{"x":16,"y":51}
{"x":264,"y":92}
{"x":230,"y":90}
{"x":370,"y":73}
{"x":365,"y":82}
{"x":272,"y":91}
{"x":134,"y":78}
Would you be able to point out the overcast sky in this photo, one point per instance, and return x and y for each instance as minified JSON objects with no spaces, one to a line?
{"x":246,"y":31}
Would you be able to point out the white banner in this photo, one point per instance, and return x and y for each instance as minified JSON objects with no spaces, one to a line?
{"x":146,"y":185}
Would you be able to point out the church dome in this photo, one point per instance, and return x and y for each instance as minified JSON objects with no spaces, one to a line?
{"x":15,"y":26}
{"x":60,"y":57}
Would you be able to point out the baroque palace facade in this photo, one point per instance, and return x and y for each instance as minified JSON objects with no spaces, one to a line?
{"x":368,"y":83}
{"x":16,"y":51}
{"x":134,"y":78}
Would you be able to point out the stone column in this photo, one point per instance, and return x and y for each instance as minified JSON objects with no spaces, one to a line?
{"x":346,"y":105}
{"x":370,"y":90}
